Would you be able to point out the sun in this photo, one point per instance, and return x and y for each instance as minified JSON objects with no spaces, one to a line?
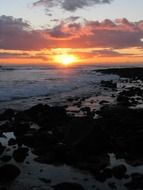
{"x":66,"y":59}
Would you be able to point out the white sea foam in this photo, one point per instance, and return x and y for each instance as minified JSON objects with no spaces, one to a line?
{"x":26,"y":82}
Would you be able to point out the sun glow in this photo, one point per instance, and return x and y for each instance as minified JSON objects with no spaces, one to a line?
{"x":66,"y":59}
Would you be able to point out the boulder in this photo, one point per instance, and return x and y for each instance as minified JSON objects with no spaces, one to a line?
{"x":8,"y":172}
{"x":20,"y":154}
{"x":119,"y":171}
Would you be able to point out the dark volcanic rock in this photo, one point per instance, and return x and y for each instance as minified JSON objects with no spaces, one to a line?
{"x":136,"y":183}
{"x":44,"y":141}
{"x":124,"y":126}
{"x":112,"y":185}
{"x":7,"y":127}
{"x":77,"y":130}
{"x":3,"y":188}
{"x":22,"y":117}
{"x":93,"y":163}
{"x":45,"y":180}
{"x":7,"y":114}
{"x":28,"y":139}
{"x":55,"y":155}
{"x":20,"y":128}
{"x":47,"y":157}
{"x":134,"y":73}
{"x":109,"y":84}
{"x":12,"y":142}
{"x":123,"y":100}
{"x":20,"y":154}
{"x":119,"y":171}
{"x":103,"y":102}
{"x":45,"y":138}
{"x":47,"y":116}
{"x":68,"y":186}
{"x":1,"y":148}
{"x":6,"y":158}
{"x":134,"y":143}
{"x":8,"y":172}
{"x":132,"y":91}
{"x":127,"y":97}
{"x":82,"y":142}
{"x":103,"y":174}
{"x":86,"y":136}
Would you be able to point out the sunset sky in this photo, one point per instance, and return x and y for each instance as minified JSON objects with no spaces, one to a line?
{"x":85,"y":31}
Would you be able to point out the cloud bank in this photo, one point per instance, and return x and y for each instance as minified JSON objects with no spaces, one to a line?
{"x":18,"y":35}
{"x":70,"y":5}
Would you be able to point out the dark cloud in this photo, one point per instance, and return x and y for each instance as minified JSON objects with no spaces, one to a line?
{"x":17,"y":34}
{"x":72,"y":18}
{"x":70,"y":5}
{"x":11,"y":22}
{"x":58,"y":32}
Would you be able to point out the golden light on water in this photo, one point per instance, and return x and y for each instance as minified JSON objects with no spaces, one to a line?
{"x":65,"y":59}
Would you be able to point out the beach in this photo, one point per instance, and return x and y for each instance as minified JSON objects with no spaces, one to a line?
{"x":71,"y":95}
{"x":86,"y":137}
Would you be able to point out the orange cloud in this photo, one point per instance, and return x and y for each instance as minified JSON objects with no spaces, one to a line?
{"x":17,"y":34}
{"x":90,"y":40}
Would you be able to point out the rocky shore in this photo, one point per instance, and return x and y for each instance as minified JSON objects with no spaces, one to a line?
{"x":85,"y":143}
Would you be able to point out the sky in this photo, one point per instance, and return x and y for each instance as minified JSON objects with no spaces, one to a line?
{"x":79,"y":31}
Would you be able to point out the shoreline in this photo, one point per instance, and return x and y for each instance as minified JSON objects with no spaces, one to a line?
{"x":87,"y":144}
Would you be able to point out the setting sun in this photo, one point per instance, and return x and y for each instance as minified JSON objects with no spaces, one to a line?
{"x":66,"y":59}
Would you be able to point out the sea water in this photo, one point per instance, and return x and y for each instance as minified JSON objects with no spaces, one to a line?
{"x":23,"y":83}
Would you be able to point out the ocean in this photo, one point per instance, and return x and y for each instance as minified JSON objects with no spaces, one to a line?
{"x":34,"y":84}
